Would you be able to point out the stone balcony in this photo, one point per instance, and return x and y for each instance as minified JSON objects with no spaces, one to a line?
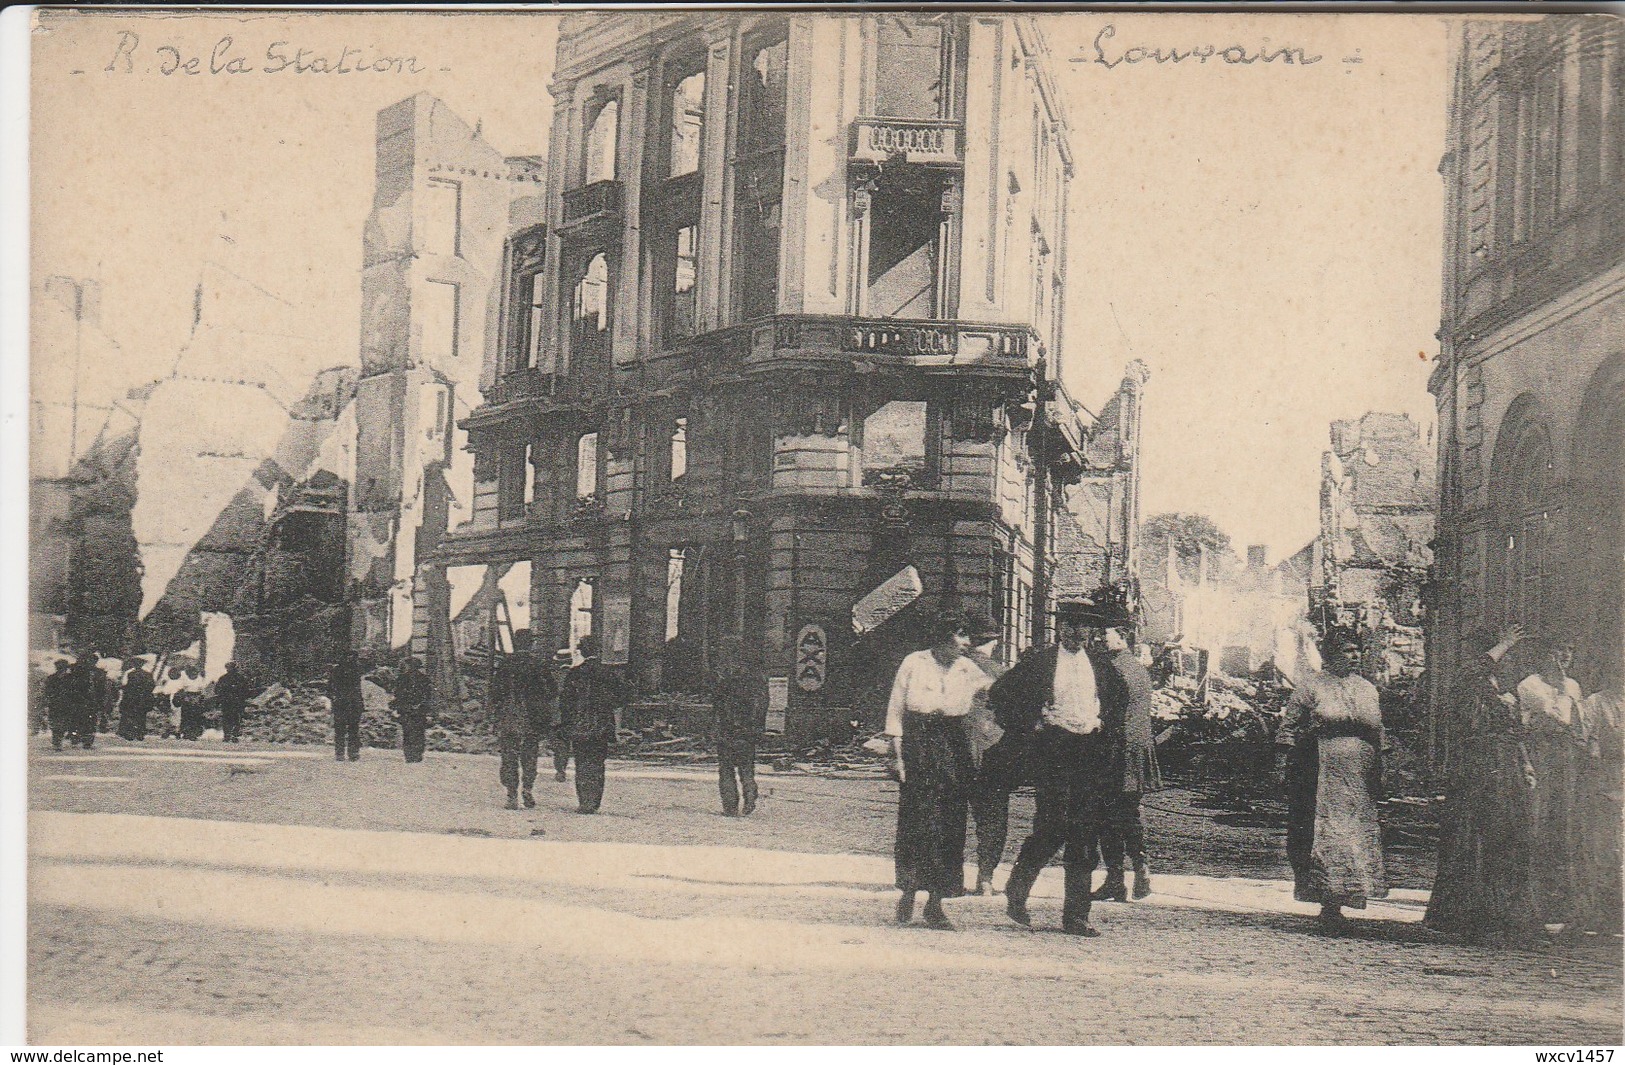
{"x":589,"y":206}
{"x":899,"y":341}
{"x":920,"y":141}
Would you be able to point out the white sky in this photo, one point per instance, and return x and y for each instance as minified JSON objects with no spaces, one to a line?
{"x":1265,"y":237}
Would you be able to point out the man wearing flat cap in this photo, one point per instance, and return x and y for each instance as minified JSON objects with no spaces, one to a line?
{"x":1053,"y":697}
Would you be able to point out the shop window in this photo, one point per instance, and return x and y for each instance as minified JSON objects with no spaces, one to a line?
{"x":602,"y":137}
{"x":685,"y":103}
{"x":587,"y":466}
{"x":442,"y":217}
{"x":895,"y":444}
{"x":439,"y":320}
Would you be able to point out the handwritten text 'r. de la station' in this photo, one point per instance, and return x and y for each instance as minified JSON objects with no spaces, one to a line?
{"x":227,"y":57}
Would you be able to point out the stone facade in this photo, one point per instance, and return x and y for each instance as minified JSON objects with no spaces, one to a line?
{"x":1530,"y":383}
{"x":793,"y":326}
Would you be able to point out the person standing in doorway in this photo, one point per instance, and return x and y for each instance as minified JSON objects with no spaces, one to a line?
{"x":231,"y":693}
{"x":591,"y":702}
{"x":1128,"y":685}
{"x":411,"y":705}
{"x":522,"y":695}
{"x":741,"y":717}
{"x":926,"y":716}
{"x":344,"y":691}
{"x":1053,"y":696}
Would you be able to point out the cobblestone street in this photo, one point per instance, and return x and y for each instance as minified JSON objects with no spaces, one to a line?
{"x":205,"y":894}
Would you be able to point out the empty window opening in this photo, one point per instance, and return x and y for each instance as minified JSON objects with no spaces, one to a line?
{"x":439,"y":319}
{"x":581,"y":607}
{"x":911,"y":72}
{"x":687,"y":104}
{"x":587,"y":466}
{"x":442,"y":217}
{"x":905,"y":226}
{"x":674,"y":592}
{"x":602,"y":136}
{"x":679,"y":449}
{"x":894,"y":442}
{"x":683,"y":294}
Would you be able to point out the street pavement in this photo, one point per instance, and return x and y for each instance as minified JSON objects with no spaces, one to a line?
{"x":199,"y":893}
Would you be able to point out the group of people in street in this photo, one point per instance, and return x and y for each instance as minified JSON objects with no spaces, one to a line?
{"x":1073,"y":718}
{"x":81,"y":696}
{"x":1531,"y":836}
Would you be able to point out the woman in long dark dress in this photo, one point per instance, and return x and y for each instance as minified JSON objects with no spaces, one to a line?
{"x":926,"y":719}
{"x":1332,"y":732}
{"x":1482,"y":891}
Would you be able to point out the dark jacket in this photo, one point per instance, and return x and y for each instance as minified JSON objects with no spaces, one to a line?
{"x":591,"y":694}
{"x":1128,"y":686}
{"x":344,"y":689}
{"x":233,"y":690}
{"x":521,"y":698}
{"x":411,"y":697}
{"x":741,"y":717}
{"x":1018,"y":698}
{"x":60,"y":709}
{"x":84,"y":692}
{"x":138,"y":691}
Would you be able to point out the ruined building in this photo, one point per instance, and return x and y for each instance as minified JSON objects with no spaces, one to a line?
{"x":1530,"y":382}
{"x":1377,"y":503}
{"x":783,"y":363}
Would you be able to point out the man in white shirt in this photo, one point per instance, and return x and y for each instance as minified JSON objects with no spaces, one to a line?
{"x":1053,"y":695}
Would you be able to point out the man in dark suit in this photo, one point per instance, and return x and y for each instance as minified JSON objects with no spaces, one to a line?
{"x":590,"y":705}
{"x":1053,"y":696}
{"x":135,"y":702}
{"x":344,"y":692}
{"x":1127,"y":686}
{"x":410,"y":701}
{"x":521,"y":707}
{"x":741,"y":718}
{"x":231,"y":693}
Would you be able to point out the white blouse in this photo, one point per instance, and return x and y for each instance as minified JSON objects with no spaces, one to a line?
{"x":1076,"y":706}
{"x":924,"y":687}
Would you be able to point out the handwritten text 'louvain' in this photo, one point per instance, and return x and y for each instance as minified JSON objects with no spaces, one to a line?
{"x":1110,"y":55}
{"x":226,"y":57}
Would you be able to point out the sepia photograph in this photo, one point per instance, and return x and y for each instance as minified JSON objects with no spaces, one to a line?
{"x":876,"y":525}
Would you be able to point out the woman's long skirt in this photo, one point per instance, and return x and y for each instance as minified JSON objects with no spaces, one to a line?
{"x":931,"y":810}
{"x":1334,"y":840}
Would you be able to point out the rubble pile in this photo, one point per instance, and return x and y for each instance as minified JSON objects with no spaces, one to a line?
{"x":1222,"y":730}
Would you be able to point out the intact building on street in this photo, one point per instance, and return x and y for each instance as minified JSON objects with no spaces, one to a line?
{"x":1530,"y":382}
{"x":790,"y":333}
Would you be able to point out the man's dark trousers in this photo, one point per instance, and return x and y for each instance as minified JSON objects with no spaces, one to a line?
{"x":1124,"y":833}
{"x":1073,"y":779}
{"x":231,"y":721}
{"x":413,"y":728}
{"x":590,"y":756}
{"x":736,"y":770}
{"x":347,"y":738}
{"x":518,"y":762}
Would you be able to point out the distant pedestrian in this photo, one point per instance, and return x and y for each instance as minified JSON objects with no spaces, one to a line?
{"x":1128,"y":685}
{"x":344,"y":692}
{"x":60,"y":714}
{"x":136,"y":701}
{"x":741,"y":718}
{"x":998,"y":756}
{"x":931,"y":699}
{"x":521,"y":702}
{"x":1053,"y":696}
{"x":189,"y":697}
{"x":231,"y":694}
{"x":591,"y":700}
{"x":559,"y":738}
{"x":1330,"y":760}
{"x":411,"y":705}
{"x":85,"y":685}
